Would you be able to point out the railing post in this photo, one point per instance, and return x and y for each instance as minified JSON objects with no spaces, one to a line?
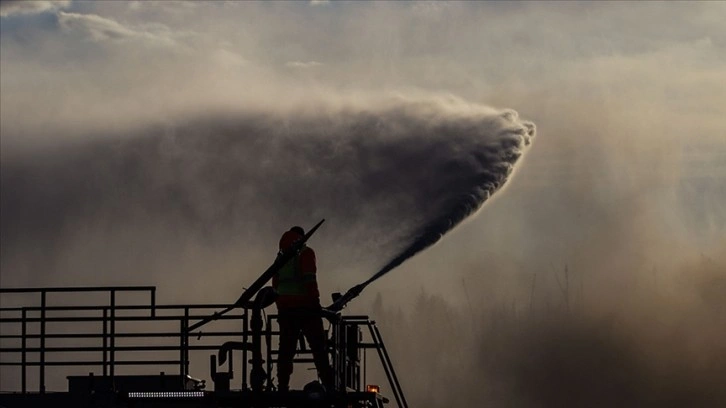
{"x":184,"y":350}
{"x":337,"y":352}
{"x":256,"y":373}
{"x":268,"y":346}
{"x":186,"y":342}
{"x":112,"y":340}
{"x":244,"y":352}
{"x":181,"y":347}
{"x":365,"y":366}
{"x":153,"y":302}
{"x":23,"y":358}
{"x":105,"y":341}
{"x":42,"y":342}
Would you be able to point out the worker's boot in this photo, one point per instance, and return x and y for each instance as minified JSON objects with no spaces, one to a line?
{"x":327,"y":378}
{"x":283,"y":383}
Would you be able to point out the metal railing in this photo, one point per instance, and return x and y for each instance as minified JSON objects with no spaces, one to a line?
{"x":33,"y":323}
{"x":166,"y":344}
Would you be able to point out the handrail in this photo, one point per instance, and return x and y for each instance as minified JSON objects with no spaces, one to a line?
{"x":80,"y":289}
{"x":118,"y":307}
{"x":25,"y":318}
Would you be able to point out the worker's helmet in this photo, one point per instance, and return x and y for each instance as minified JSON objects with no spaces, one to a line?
{"x":290,"y":236}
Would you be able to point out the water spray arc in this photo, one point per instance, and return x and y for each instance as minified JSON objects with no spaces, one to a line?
{"x":481,"y":173}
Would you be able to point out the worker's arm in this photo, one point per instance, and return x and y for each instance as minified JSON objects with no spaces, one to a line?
{"x":309,"y":269}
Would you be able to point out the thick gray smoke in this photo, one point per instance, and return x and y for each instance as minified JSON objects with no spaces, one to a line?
{"x":391,"y":180}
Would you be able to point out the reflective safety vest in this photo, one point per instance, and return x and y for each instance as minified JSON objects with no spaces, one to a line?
{"x":296,"y":283}
{"x":291,"y":280}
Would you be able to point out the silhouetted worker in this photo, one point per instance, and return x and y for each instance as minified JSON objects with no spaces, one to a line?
{"x":298,"y":306}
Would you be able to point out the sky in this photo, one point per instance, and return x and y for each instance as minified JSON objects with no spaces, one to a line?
{"x":625,"y":97}
{"x":624,"y":181}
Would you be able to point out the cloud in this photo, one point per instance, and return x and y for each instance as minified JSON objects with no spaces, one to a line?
{"x":303,"y":64}
{"x":101,"y":29}
{"x":16,"y":7}
{"x":98,"y":28}
{"x":319,"y":2}
{"x":228,"y":59}
{"x":168,"y":7}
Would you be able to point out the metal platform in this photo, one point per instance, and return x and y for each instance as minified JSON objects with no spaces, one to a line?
{"x":200,"y":399}
{"x":112,"y":350}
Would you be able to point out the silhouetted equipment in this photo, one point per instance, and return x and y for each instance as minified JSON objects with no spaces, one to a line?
{"x":129,"y":343}
{"x":340,"y":302}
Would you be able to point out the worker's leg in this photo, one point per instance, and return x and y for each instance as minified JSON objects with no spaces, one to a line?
{"x":289,"y":332}
{"x":316,"y":337}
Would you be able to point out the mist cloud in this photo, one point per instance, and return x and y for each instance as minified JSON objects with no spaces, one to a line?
{"x":547,"y":351}
{"x":394,"y":175}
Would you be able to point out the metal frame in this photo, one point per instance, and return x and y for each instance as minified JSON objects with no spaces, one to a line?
{"x":28,"y":324}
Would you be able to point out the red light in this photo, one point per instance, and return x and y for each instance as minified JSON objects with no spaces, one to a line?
{"x":373,"y":388}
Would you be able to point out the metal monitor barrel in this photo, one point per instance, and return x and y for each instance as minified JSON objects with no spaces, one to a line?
{"x":352,"y":293}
